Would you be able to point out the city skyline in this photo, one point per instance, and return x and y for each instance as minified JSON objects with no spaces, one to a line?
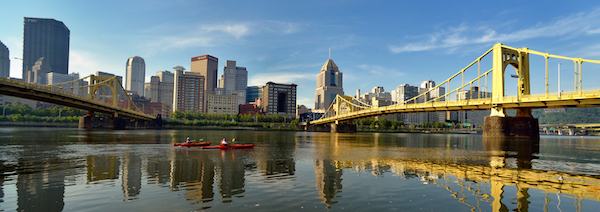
{"x":376,"y":44}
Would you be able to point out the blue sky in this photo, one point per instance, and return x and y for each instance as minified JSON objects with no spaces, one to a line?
{"x":374,"y":43}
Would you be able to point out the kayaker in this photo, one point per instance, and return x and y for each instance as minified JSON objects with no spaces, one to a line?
{"x":188,"y":140}
{"x":224,"y":142}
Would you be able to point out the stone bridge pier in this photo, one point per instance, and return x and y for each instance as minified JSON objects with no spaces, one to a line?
{"x":90,"y":121}
{"x":333,"y":127}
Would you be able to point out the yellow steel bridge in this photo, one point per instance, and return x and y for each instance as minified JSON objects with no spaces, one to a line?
{"x":348,"y":108}
{"x":98,"y":85}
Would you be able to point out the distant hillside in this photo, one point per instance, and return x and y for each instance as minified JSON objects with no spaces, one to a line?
{"x":571,"y":116}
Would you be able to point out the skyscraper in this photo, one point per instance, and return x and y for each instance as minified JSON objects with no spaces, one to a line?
{"x":4,"y":61}
{"x":47,"y":38}
{"x":279,"y":99}
{"x":188,"y":93}
{"x":207,"y":66}
{"x":235,"y":78}
{"x":135,"y":76}
{"x":329,"y":84}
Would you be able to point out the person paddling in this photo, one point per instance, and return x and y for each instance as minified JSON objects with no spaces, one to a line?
{"x":224,"y":142}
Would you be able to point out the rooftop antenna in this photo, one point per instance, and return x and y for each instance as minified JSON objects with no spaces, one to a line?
{"x":329,"y":53}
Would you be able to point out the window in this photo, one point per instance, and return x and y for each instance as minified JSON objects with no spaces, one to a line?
{"x":281,"y":97}
{"x":332,"y":78}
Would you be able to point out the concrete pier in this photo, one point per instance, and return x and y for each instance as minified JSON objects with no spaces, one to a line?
{"x":334,"y":128}
{"x":511,"y":127}
{"x":117,"y":123}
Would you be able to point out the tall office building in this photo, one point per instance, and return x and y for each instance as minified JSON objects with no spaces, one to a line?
{"x":235,"y":78}
{"x":329,"y":84}
{"x":207,"y":66}
{"x":47,"y":38}
{"x":404,"y":92}
{"x":160,"y":87}
{"x":188,"y":93}
{"x":279,"y":99}
{"x":135,"y":76}
{"x":4,"y":61}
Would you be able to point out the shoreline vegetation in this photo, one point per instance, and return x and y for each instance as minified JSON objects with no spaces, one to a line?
{"x":18,"y":114}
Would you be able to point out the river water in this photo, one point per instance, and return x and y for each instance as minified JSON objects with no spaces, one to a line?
{"x":54,"y":169}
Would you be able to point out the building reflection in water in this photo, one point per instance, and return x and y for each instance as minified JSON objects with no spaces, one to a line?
{"x":102,"y":167}
{"x":481,"y":178}
{"x":132,"y":176}
{"x":194,"y":173}
{"x":230,"y":175}
{"x":41,"y":186}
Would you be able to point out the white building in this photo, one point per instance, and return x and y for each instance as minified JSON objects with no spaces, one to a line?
{"x":234,"y":78}
{"x":73,"y":87}
{"x":135,"y":75}
{"x":329,"y":84}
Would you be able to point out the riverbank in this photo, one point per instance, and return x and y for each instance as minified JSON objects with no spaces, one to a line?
{"x":39,"y":124}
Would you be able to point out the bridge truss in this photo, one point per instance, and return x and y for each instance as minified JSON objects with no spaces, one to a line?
{"x":95,"y":101}
{"x":347,"y":108}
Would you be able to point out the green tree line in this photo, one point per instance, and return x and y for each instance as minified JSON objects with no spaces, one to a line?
{"x":571,"y":116}
{"x":23,"y":109}
{"x":231,"y":117}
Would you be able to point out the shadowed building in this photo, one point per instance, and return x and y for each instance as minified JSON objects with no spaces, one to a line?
{"x":47,"y":38}
{"x":279,"y":99}
{"x":4,"y":61}
{"x":329,"y":84}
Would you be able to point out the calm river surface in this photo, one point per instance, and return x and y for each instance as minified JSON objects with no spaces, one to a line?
{"x":53,"y":169}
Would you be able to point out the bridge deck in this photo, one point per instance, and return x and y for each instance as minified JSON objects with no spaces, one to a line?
{"x":588,"y":98}
{"x":46,"y":94}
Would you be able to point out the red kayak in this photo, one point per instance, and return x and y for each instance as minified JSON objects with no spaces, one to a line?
{"x":233,"y":146}
{"x":206,"y":143}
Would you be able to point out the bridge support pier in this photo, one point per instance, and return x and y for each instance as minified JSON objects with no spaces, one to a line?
{"x":92,"y":122}
{"x":511,"y":127}
{"x":343,"y":128}
{"x":334,"y":128}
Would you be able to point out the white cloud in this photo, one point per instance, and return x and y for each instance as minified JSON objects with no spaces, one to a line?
{"x":236,"y":30}
{"x":86,"y":63}
{"x":374,"y":69}
{"x":581,"y":23}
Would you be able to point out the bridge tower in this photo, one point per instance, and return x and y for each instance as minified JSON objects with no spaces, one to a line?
{"x":498,"y":124}
{"x":114,"y":86}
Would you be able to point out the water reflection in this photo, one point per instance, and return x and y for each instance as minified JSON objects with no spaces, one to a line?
{"x":474,"y":173}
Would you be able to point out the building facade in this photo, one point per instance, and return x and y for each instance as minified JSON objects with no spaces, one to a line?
{"x":279,"y":99}
{"x":329,"y":84}
{"x":108,"y":91}
{"x":188,"y":94}
{"x":253,"y":93}
{"x":161,"y":87}
{"x":135,"y":75}
{"x":4,"y":61}
{"x":73,"y":87}
{"x":222,"y":104}
{"x":206,"y":66}
{"x":235,"y":78}
{"x":47,"y":38}
{"x":404,"y":92}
